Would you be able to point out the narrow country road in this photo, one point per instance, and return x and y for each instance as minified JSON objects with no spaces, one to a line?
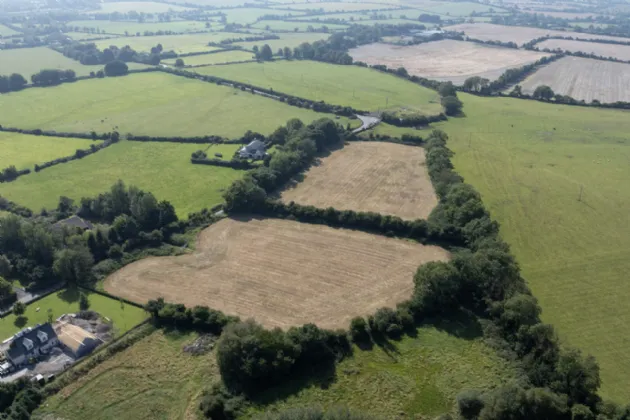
{"x":368,"y":122}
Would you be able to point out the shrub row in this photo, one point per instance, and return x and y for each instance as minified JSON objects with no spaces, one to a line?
{"x":80,"y":153}
{"x":51,"y":133}
{"x":223,"y":49}
{"x":194,"y":140}
{"x":234,"y":163}
{"x":411,"y":120}
{"x":11,"y":207}
{"x":11,"y":173}
{"x":406,"y":139}
{"x":200,"y":318}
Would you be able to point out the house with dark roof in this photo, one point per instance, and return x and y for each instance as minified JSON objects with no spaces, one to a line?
{"x":254,"y":150}
{"x":31,"y":343}
{"x":74,"y":221}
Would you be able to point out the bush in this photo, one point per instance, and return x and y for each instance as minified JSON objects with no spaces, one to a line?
{"x":116,"y":68}
{"x":359,"y":330}
{"x":469,"y":403}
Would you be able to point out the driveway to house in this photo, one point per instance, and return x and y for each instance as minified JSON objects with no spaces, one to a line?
{"x":368,"y":122}
{"x":27,"y":297}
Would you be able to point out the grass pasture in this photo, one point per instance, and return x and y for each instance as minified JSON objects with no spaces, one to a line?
{"x":418,"y":376}
{"x":6,"y":31}
{"x":137,"y":6}
{"x":24,"y":151}
{"x":186,"y":43}
{"x":28,"y":61}
{"x":247,"y":15}
{"x":380,"y":177}
{"x":281,"y":273}
{"x":124,"y":316}
{"x":156,"y":103}
{"x":361,"y":88}
{"x":153,"y":379}
{"x":529,"y":161}
{"x":281,"y":25}
{"x":329,"y":7}
{"x":290,"y":40}
{"x":583,"y":79}
{"x":162,"y":168}
{"x":446,"y":60}
{"x":82,"y":36}
{"x":131,"y":28}
{"x":214,"y":58}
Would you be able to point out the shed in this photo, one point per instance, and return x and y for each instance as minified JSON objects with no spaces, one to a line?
{"x":76,"y":340}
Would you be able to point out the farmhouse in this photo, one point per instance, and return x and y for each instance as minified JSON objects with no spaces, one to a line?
{"x":254,"y":150}
{"x":76,"y":340}
{"x":31,"y":342}
{"x":74,"y":221}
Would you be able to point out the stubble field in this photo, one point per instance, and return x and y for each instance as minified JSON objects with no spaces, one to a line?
{"x":621,"y":52}
{"x":369,"y":176}
{"x":583,"y":78}
{"x":518,"y":34}
{"x":281,"y":273}
{"x":446,"y":60}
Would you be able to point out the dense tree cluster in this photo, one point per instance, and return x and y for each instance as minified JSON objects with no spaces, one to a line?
{"x":11,"y":173}
{"x":49,"y":77}
{"x":200,"y":318}
{"x":12,"y":83}
{"x":89,"y":54}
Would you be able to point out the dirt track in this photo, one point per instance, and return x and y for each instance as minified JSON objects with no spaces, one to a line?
{"x":281,"y":273}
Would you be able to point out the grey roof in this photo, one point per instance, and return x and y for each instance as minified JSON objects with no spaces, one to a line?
{"x":16,"y":350}
{"x":75,"y":221}
{"x":254,"y":146}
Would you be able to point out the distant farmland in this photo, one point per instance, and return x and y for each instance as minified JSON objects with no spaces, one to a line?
{"x":517,"y":34}
{"x":6,"y":31}
{"x":153,"y":103}
{"x":354,"y":86}
{"x":290,"y":40}
{"x":120,"y":27}
{"x":370,"y":176}
{"x":446,"y":60}
{"x":215,"y":58}
{"x":186,"y":43}
{"x":584,"y":78}
{"x":621,"y":52}
{"x":137,"y":6}
{"x":333,"y":6}
{"x":281,"y":273}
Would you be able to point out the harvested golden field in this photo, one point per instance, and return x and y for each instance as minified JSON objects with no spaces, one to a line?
{"x":584,"y":78}
{"x":281,"y":273}
{"x":518,"y":34}
{"x":621,"y":52}
{"x":446,"y":60}
{"x":385,"y":178}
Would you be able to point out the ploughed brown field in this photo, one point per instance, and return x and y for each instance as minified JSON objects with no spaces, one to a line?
{"x":446,"y":60}
{"x":584,"y":78}
{"x":517,"y":34}
{"x":622,"y":52}
{"x":380,"y":177}
{"x":281,"y":273}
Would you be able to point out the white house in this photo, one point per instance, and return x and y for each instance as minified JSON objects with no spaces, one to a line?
{"x":254,"y":150}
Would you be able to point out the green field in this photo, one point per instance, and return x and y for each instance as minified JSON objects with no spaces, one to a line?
{"x":332,"y":6}
{"x":25,"y":151}
{"x":6,"y":31}
{"x":529,"y":161}
{"x":28,"y":61}
{"x":419,"y":376}
{"x":153,"y":379}
{"x":131,"y":28}
{"x":80,"y":36}
{"x":215,"y":58}
{"x":124,"y":316}
{"x":162,"y":168}
{"x":354,"y":86}
{"x":280,"y":25}
{"x":186,"y":43}
{"x":290,"y":40}
{"x":137,"y":6}
{"x":156,"y":103}
{"x":246,"y":15}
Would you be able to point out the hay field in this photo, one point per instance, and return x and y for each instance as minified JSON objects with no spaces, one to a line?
{"x":446,"y":60}
{"x":28,"y":61}
{"x":156,"y":103}
{"x":137,"y":6}
{"x":418,"y":375}
{"x":6,"y":31}
{"x":517,"y":34}
{"x":185,"y":43}
{"x":361,"y":88}
{"x":119,"y":27}
{"x":281,"y":273}
{"x":369,"y":176}
{"x":25,"y":151}
{"x":215,"y":58}
{"x":529,"y":160}
{"x":583,"y":78}
{"x":153,"y":379}
{"x":162,"y":168}
{"x":621,"y":52}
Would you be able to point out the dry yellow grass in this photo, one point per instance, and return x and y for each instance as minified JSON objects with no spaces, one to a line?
{"x":281,"y":273}
{"x":450,"y":60}
{"x":621,"y":52}
{"x":370,"y":176}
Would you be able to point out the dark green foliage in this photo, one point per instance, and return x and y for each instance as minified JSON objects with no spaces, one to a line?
{"x":84,"y":302}
{"x":315,"y":413}
{"x":359,"y":330}
{"x":116,"y":68}
{"x":74,"y":264}
{"x":219,"y":404}
{"x":581,"y":412}
{"x":437,"y":287}
{"x":469,"y":403}
{"x":447,"y":89}
{"x":50,"y":77}
{"x":244,"y":195}
{"x":19,"y":308}
{"x":543,"y":92}
{"x":515,"y":403}
{"x":577,"y":377}
{"x":200,"y":318}
{"x":452,"y":105}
